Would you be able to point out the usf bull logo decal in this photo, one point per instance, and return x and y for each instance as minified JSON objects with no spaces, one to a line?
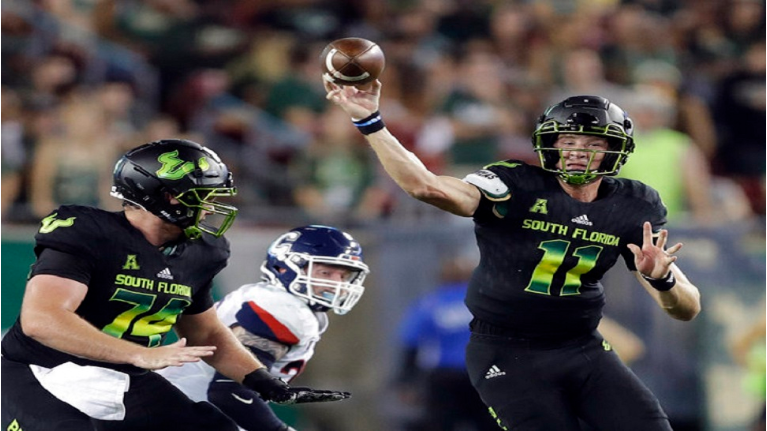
{"x":174,"y":168}
{"x":51,"y":223}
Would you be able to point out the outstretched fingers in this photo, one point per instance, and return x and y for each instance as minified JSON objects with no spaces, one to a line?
{"x":662,"y":239}
{"x":175,"y":354}
{"x":675,"y":248}
{"x":647,"y":233}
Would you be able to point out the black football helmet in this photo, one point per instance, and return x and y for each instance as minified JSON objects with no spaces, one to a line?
{"x":584,"y":115}
{"x":152,"y":175}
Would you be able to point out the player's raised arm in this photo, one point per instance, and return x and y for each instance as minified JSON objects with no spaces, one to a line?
{"x":447,"y":193}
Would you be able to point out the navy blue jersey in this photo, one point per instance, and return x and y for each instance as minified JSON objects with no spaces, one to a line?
{"x":135,"y":291}
{"x":543,"y":252}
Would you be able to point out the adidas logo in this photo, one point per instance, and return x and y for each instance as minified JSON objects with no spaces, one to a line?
{"x":494,"y":371}
{"x":582,"y":219}
{"x":165,"y":273}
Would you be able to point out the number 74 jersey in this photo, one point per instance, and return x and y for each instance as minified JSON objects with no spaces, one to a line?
{"x":543,"y":253}
{"x":135,"y":291}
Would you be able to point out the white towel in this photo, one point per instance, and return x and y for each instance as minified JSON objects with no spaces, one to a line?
{"x":97,"y":392}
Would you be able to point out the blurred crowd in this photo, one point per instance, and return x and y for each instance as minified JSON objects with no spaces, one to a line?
{"x":84,"y":80}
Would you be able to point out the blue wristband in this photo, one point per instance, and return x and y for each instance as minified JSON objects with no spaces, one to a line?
{"x":370,"y":124}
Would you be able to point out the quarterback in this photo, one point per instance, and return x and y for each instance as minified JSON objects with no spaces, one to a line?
{"x":546,"y":235}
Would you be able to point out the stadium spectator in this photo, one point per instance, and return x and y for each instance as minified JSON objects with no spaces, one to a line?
{"x":72,"y":165}
{"x":53,"y":76}
{"x":474,"y":109}
{"x":335,"y":178}
{"x":693,"y":116}
{"x":739,"y":113}
{"x":582,"y":71}
{"x":295,"y":96}
{"x":635,"y":35}
{"x":159,"y":127}
{"x":668,"y":160}
{"x":124,"y":112}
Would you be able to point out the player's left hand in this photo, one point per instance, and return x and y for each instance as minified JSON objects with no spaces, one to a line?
{"x":651,"y":259}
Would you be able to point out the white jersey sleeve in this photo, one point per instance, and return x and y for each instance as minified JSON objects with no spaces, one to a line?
{"x":271,"y":313}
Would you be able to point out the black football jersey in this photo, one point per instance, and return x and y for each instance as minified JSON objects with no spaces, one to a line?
{"x":542,"y":253}
{"x":135,"y":291}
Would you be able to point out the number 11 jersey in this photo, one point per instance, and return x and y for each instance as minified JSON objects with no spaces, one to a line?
{"x":542,"y":253}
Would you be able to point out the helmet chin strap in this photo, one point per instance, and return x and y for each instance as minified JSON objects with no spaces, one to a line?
{"x":193,"y":232}
{"x":578,"y":179}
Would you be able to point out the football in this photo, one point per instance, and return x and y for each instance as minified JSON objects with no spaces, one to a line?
{"x":352,"y":61}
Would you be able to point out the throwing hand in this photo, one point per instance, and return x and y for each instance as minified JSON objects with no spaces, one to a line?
{"x":358,"y":102}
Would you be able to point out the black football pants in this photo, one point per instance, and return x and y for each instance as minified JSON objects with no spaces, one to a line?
{"x":151,"y":403}
{"x":532,"y":386}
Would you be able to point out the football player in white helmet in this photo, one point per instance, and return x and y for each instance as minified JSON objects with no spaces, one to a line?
{"x":308,"y":271}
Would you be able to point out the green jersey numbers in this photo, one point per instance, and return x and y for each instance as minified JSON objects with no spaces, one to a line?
{"x":554,"y":254}
{"x":135,"y":319}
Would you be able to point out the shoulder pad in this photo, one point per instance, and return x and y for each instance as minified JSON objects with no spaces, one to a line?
{"x":71,"y":229}
{"x":277,"y":315}
{"x":489,"y":184}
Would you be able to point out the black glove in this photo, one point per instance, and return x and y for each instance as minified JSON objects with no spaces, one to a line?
{"x":275,"y":390}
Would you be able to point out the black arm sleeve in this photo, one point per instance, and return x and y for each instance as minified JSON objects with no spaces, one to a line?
{"x":243,"y":405}
{"x":54,"y":262}
{"x":202,"y":300}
